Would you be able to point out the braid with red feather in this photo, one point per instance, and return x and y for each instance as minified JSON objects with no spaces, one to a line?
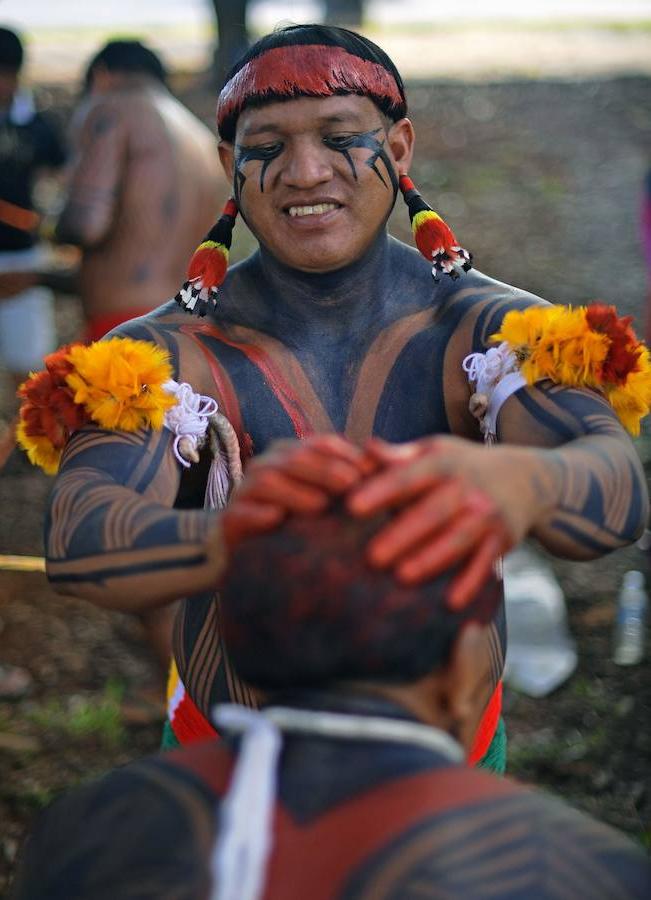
{"x":208,"y":265}
{"x":433,"y":237}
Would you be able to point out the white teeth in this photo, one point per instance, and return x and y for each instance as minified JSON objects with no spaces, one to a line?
{"x":316,"y":210}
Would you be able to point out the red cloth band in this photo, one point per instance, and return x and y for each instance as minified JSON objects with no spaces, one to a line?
{"x":306,"y":70}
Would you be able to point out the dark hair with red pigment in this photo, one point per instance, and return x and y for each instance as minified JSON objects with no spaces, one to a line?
{"x":338,"y":61}
{"x":301,"y":607}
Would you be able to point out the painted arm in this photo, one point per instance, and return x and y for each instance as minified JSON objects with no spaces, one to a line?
{"x":587,"y":485}
{"x":95,"y":177}
{"x":112,"y":536}
{"x":564,"y":471}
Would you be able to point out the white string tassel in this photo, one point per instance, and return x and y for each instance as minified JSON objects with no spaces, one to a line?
{"x":188,"y":420}
{"x":226,"y":467}
{"x":245,"y":819}
{"x":218,"y":485}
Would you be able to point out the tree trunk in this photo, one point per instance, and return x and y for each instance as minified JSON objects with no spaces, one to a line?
{"x":232,"y":36}
{"x":348,"y":13}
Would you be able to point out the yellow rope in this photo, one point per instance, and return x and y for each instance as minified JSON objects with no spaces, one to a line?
{"x":22,"y":563}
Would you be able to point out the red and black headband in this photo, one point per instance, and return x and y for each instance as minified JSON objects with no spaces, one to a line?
{"x":306,"y":70}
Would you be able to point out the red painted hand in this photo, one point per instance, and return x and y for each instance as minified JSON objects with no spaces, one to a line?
{"x":292,"y":477}
{"x":458,"y":503}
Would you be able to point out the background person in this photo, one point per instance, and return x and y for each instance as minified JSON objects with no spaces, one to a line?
{"x":144,"y":187}
{"x":29,"y":146}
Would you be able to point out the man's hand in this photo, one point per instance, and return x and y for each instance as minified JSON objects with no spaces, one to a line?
{"x":292,"y":478}
{"x":458,"y":503}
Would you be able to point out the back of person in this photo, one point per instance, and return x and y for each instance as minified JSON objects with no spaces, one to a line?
{"x":169,"y":186}
{"x":353,"y":821}
{"x":351,"y":782}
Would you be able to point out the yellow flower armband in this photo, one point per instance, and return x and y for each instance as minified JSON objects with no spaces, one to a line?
{"x":577,"y":347}
{"x":117,"y":384}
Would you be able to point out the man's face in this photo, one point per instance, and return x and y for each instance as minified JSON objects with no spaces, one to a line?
{"x":315,"y":179}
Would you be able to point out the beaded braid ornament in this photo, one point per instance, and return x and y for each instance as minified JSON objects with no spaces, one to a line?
{"x":208,"y":265}
{"x":434,"y":239}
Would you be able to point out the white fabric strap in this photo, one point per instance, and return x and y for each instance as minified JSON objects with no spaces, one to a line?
{"x":496,"y":375}
{"x":239,"y":861}
{"x":245,"y":824}
{"x":507,"y":385}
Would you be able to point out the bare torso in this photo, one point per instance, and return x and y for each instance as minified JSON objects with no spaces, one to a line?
{"x":146,"y":188}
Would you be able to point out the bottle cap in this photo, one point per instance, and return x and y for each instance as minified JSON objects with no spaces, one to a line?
{"x":634,"y":579}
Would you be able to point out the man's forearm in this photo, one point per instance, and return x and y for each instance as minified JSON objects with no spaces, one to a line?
{"x":601,"y":496}
{"x":111,"y":534}
{"x":174,"y":561}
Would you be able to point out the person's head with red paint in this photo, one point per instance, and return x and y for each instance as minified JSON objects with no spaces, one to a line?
{"x":316,"y":141}
{"x":303,"y":609}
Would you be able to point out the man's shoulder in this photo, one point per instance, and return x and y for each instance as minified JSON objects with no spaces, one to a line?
{"x":533,"y":840}
{"x":476,"y":290}
{"x":167,"y":318}
{"x":477,"y":303}
{"x":170,"y":813}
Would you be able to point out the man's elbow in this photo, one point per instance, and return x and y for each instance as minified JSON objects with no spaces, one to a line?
{"x":85,"y":232}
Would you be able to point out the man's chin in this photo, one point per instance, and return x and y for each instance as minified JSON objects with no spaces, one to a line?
{"x":316,"y":260}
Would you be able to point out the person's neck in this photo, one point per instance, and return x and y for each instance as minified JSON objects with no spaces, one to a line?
{"x":342,"y":299}
{"x":363,"y":698}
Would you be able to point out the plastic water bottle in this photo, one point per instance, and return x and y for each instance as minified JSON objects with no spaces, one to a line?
{"x":541,"y":653}
{"x":631,"y":613}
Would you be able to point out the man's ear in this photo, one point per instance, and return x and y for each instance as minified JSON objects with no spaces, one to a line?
{"x":226,"y":157}
{"x":401,"y":139}
{"x":465,"y":682}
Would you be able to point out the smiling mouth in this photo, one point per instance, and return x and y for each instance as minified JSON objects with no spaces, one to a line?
{"x":317,"y":209}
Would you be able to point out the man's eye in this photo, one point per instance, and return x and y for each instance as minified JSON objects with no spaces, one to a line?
{"x":266,"y":151}
{"x":260,"y":151}
{"x":340,"y":141}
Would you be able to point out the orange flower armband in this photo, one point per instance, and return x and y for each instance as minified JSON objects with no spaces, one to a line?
{"x":574,"y":346}
{"x":117,"y":384}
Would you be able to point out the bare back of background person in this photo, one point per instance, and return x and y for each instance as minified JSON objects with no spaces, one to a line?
{"x":143,"y":191}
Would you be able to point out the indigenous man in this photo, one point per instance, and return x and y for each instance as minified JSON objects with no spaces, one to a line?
{"x":372,"y":695}
{"x":332,"y":326}
{"x":144,"y":187}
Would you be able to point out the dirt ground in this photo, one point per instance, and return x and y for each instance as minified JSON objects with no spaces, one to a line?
{"x":542,"y":180}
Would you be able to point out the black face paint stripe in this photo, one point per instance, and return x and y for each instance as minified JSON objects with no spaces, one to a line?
{"x":244,"y":155}
{"x":350,"y":161}
{"x":369,"y":141}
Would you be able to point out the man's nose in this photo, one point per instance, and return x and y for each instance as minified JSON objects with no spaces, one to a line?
{"x":306,"y":165}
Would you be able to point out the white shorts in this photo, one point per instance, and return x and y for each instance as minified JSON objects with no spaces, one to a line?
{"x":27,"y":331}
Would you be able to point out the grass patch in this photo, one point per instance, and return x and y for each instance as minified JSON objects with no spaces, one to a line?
{"x":80,"y":718}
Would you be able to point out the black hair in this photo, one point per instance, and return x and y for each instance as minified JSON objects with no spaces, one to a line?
{"x":127,"y":56}
{"x":326,"y":35}
{"x":11,"y":51}
{"x":300,"y":606}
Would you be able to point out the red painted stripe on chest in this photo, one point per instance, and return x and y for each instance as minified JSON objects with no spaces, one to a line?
{"x":275,"y":380}
{"x":226,"y":393}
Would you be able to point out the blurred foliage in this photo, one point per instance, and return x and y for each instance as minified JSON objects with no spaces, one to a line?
{"x":80,"y":718}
